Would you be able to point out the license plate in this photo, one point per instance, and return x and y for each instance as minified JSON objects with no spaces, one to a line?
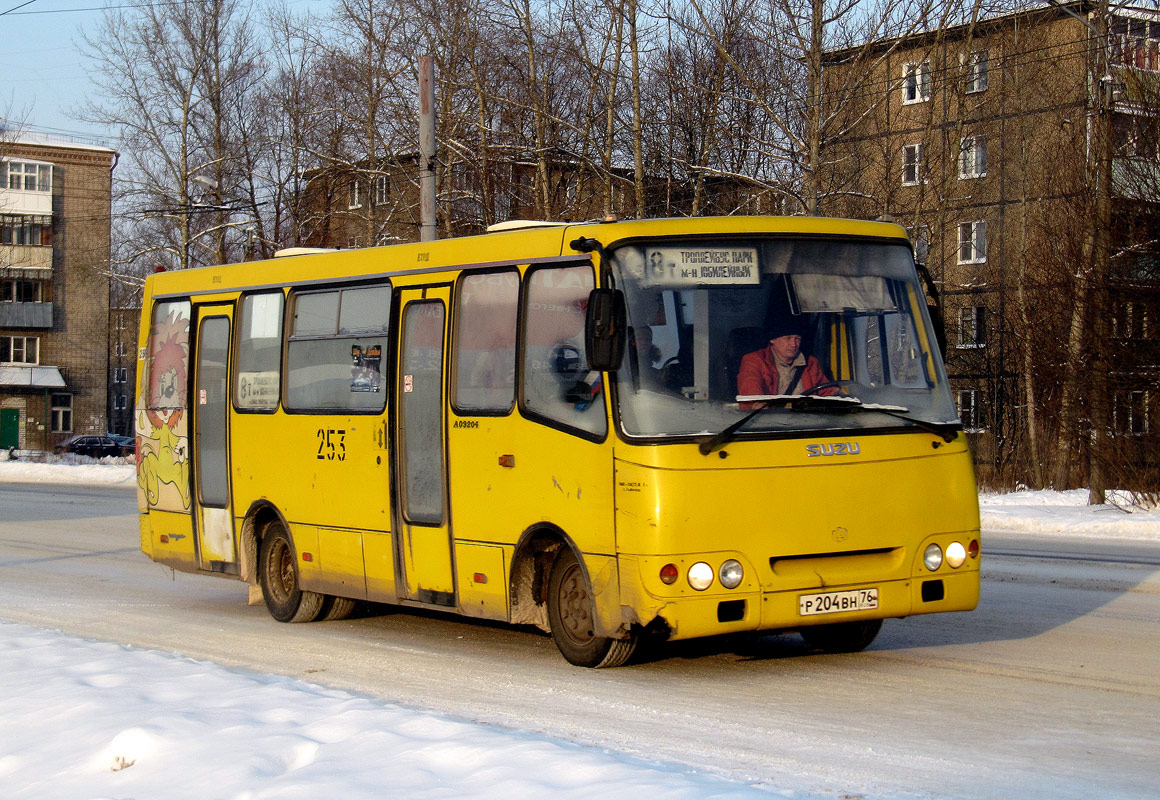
{"x":836,"y":602}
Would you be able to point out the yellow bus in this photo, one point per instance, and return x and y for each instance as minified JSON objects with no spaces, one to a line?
{"x":590,"y":428}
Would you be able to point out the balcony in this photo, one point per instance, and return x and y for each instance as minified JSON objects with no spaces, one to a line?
{"x":25,"y":315}
{"x":25,"y":256}
{"x":16,"y":201}
{"x":1136,"y":179}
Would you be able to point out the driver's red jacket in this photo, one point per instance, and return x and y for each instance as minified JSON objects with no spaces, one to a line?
{"x":758,"y":375}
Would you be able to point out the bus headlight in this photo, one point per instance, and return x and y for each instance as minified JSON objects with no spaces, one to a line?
{"x":700,"y":576}
{"x":932,"y":558}
{"x":731,"y":573}
{"x":956,"y":554}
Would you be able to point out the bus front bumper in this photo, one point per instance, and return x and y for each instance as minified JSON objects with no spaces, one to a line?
{"x":719,"y":612}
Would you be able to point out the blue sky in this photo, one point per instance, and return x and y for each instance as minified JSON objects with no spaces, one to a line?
{"x":42,"y":73}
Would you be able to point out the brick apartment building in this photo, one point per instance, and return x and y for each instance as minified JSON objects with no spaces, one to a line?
{"x":379,"y":204}
{"x":55,"y":205}
{"x":982,"y":139}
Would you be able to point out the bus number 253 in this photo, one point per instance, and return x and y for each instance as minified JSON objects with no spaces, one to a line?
{"x":332,"y":444}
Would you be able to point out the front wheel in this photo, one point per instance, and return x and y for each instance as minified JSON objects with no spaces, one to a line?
{"x":842,"y":637}
{"x":572,"y":615}
{"x":278,"y":575}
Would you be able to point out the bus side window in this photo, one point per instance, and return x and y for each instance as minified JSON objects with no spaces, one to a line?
{"x":334,"y":357}
{"x":259,"y":352}
{"x":557,"y":383}
{"x":485,"y":342}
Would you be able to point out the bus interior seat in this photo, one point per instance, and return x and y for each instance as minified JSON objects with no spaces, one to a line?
{"x":740,"y":342}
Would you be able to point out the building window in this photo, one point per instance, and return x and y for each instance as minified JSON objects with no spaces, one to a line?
{"x":119,"y":349}
{"x":20,"y":349}
{"x":977,"y":66}
{"x":911,"y":164}
{"x":25,"y":176}
{"x":916,"y":82}
{"x":19,"y":291}
{"x":119,"y":375}
{"x":119,"y":403}
{"x":355,"y":198}
{"x":973,"y":242}
{"x":1135,"y":42}
{"x":1130,"y":413}
{"x":382,"y":190}
{"x":1131,"y":322}
{"x":62,"y":413}
{"x":970,"y":411}
{"x":972,"y":327}
{"x":26,"y":229}
{"x":973,"y":157}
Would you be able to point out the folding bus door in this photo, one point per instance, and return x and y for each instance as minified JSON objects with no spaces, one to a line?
{"x":216,"y":546}
{"x":424,"y":529}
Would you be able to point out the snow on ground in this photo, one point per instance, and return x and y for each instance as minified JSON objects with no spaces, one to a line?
{"x":84,"y":719}
{"x":149,"y":724}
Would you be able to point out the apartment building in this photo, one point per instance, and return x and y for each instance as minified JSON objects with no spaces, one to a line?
{"x":370,"y":205}
{"x":55,"y":198}
{"x":984,"y":140}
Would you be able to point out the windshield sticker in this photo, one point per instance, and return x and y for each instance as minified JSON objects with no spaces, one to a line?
{"x":713,"y":266}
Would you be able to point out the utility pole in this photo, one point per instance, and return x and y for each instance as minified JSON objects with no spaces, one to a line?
{"x":427,"y":229}
{"x":1100,"y":272}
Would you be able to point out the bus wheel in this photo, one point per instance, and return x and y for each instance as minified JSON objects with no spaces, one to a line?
{"x":572,"y":615}
{"x":335,"y":608}
{"x":842,"y":637}
{"x":278,"y":574}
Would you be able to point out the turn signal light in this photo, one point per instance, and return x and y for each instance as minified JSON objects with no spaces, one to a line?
{"x":973,"y":548}
{"x":669,"y":574}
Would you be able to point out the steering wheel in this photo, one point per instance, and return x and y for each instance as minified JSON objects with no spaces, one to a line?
{"x":826,"y":385}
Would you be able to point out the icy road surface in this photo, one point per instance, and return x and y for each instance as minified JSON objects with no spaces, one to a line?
{"x":1048,"y":690}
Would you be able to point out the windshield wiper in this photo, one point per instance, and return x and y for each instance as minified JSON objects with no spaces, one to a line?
{"x":808,"y":402}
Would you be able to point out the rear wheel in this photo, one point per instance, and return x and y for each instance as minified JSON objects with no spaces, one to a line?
{"x":842,"y":637}
{"x":278,"y":574}
{"x":334,"y":608}
{"x":572,"y":616}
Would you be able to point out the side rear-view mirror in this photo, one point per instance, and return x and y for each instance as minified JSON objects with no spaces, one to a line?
{"x":605,"y":329}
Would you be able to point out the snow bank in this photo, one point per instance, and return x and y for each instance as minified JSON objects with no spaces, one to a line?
{"x":77,"y":470}
{"x":85,"y":719}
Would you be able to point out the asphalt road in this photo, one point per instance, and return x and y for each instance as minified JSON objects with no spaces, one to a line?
{"x":1050,"y":689}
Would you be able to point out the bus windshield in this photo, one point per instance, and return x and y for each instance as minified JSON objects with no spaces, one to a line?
{"x":720,"y":328}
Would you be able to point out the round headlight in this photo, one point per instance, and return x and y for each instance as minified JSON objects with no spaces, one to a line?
{"x":700,"y":576}
{"x":932,"y":557}
{"x":956,"y":554}
{"x":731,"y":573}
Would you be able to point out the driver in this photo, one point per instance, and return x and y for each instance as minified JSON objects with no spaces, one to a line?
{"x":781,"y":367}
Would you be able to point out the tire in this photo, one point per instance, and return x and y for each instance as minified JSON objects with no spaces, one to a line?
{"x":278,"y":575}
{"x":572,"y":614}
{"x":842,"y":637}
{"x":336,"y":608}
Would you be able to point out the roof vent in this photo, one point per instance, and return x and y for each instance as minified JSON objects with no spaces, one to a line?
{"x":521,"y":224}
{"x":302,"y":251}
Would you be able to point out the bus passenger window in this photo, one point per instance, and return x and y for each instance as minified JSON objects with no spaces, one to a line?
{"x":557,"y":382}
{"x":485,"y":342}
{"x":259,"y":354}
{"x":334,"y":358}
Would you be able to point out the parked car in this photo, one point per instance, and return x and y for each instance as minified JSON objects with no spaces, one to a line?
{"x":96,"y":446}
{"x":128,"y":443}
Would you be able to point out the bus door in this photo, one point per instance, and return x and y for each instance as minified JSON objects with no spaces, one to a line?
{"x":210,"y":414}
{"x":423,"y":532}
